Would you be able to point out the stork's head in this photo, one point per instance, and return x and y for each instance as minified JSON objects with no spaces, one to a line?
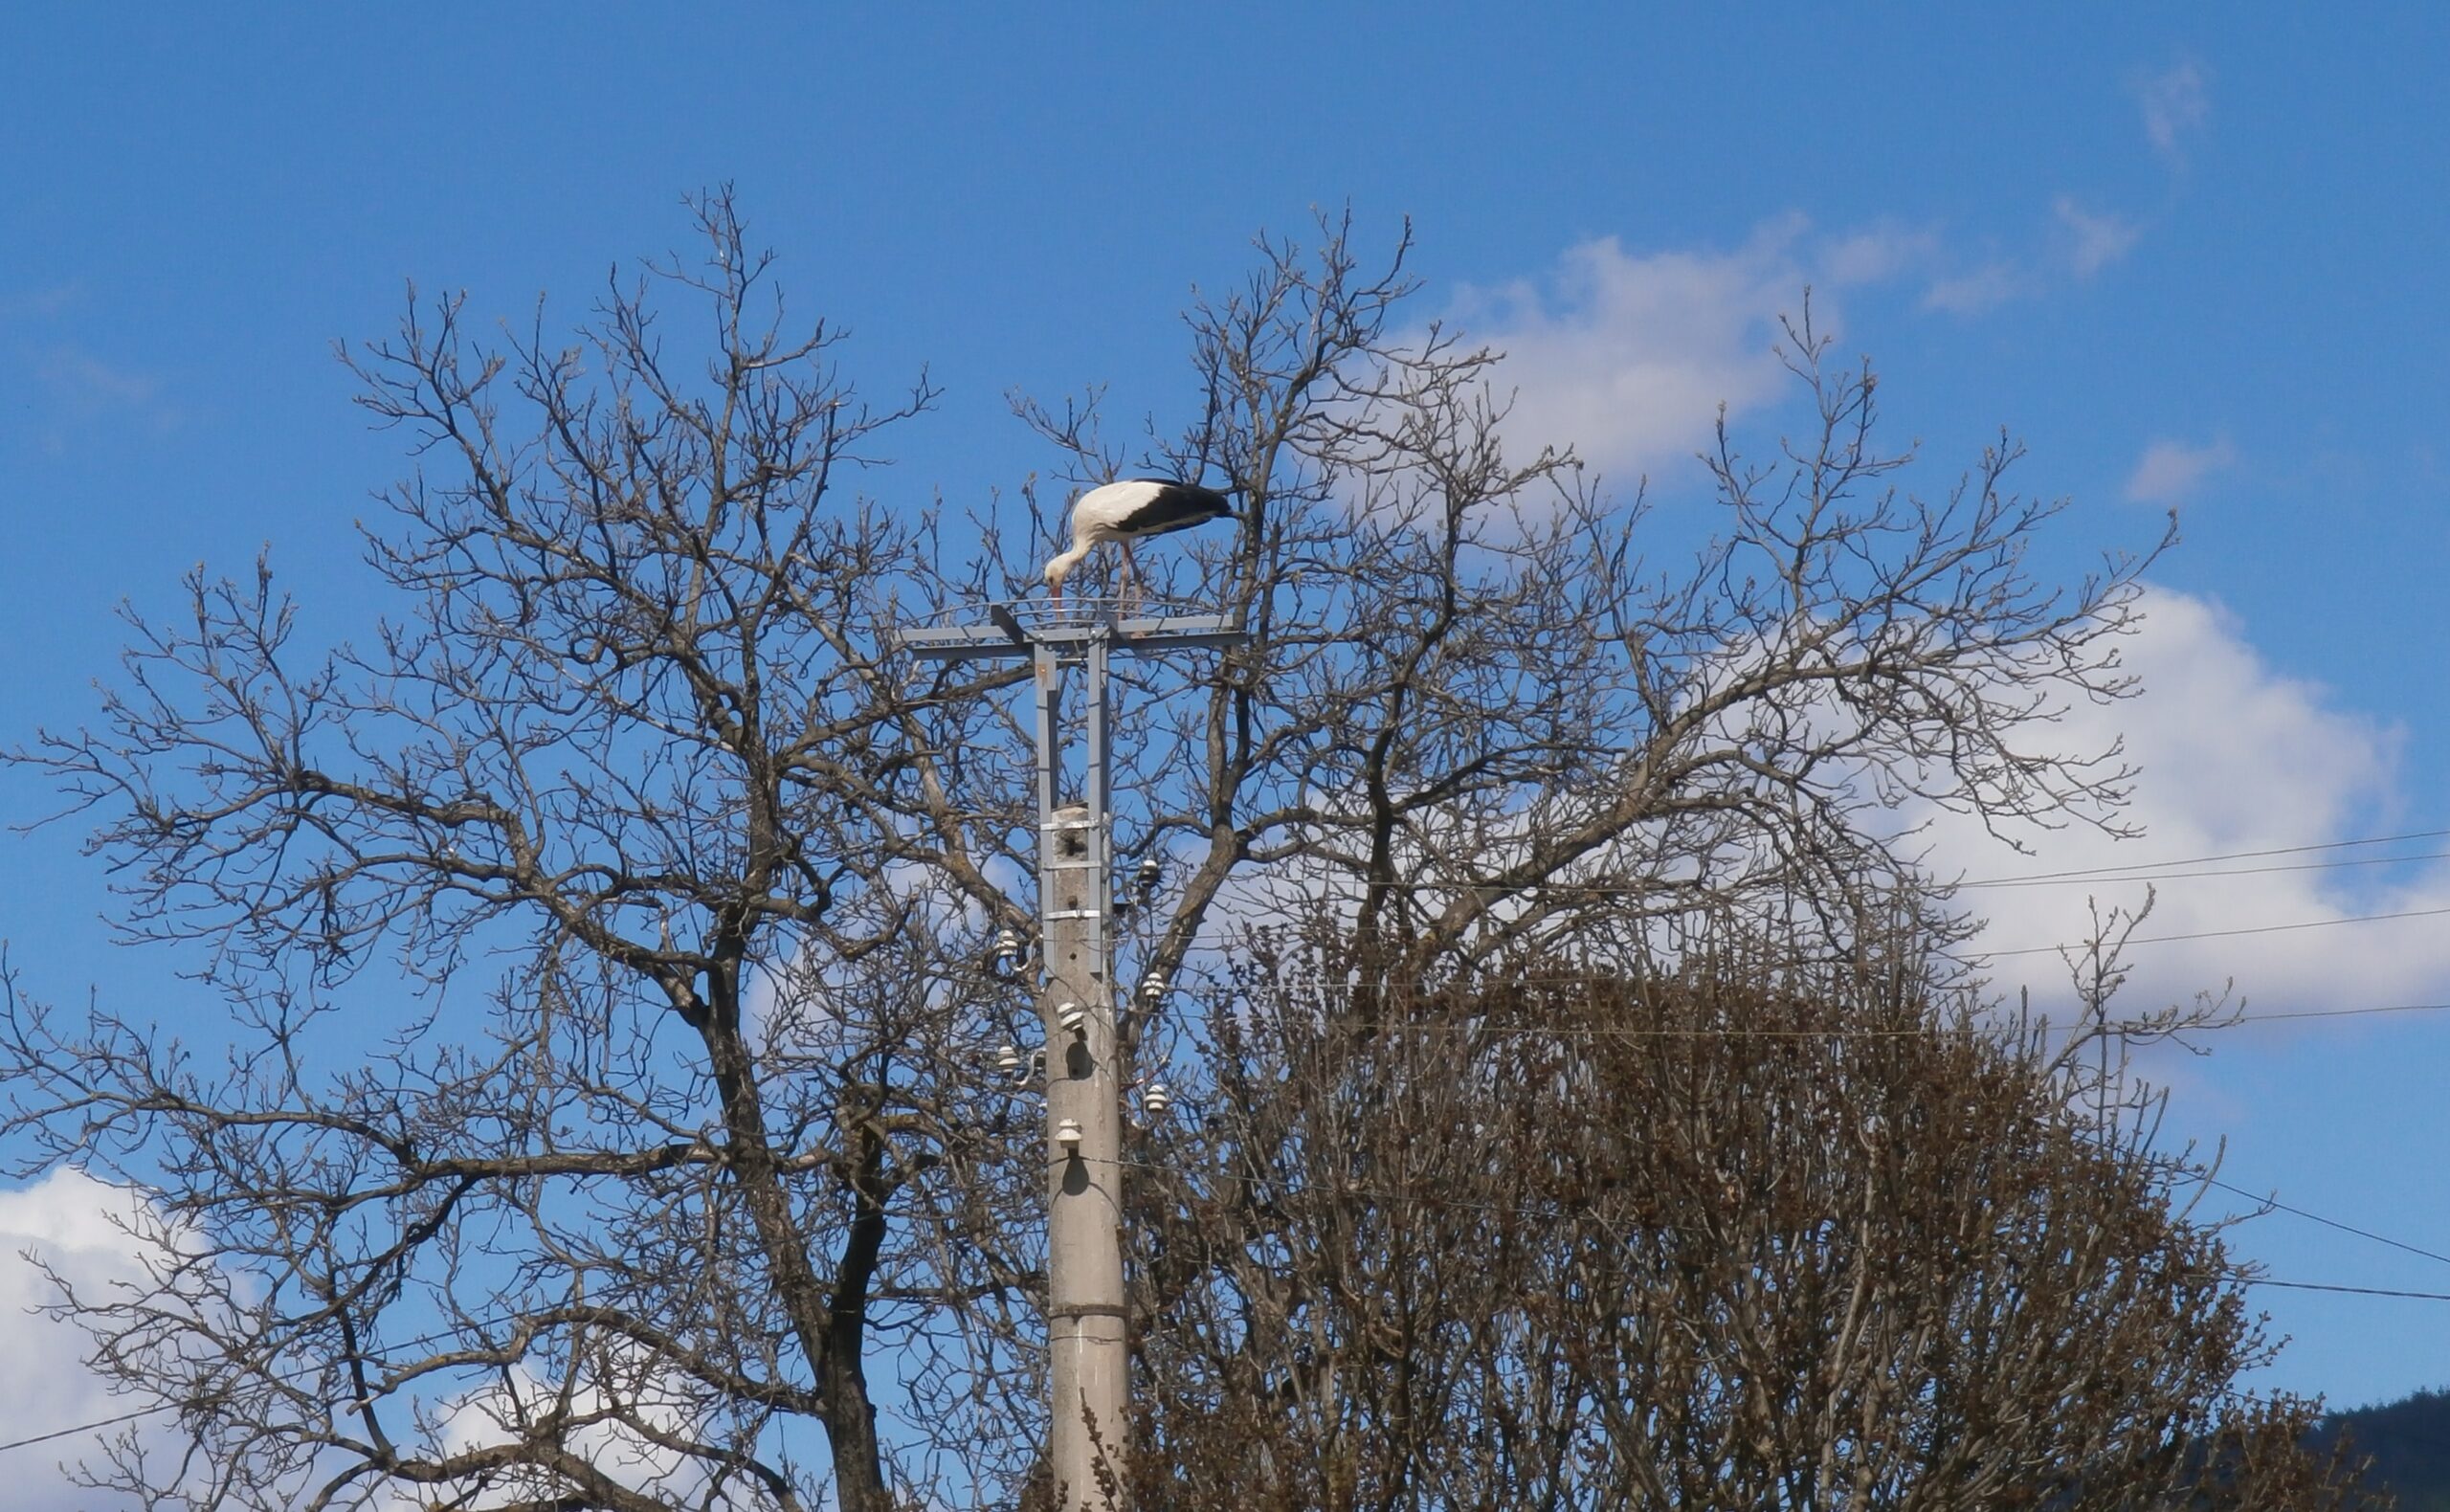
{"x":1063,"y":565}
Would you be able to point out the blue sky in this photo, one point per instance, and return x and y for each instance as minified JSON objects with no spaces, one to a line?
{"x":2190,"y":255}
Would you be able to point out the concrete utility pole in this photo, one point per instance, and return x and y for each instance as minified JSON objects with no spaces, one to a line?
{"x":1089,"y":1356}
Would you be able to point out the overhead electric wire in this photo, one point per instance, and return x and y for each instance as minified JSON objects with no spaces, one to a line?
{"x":2199,"y":934}
{"x":2276,"y":1203}
{"x":2118,"y":871}
{"x":2137,"y":871}
{"x":2357,"y":1291}
{"x":2091,"y":879}
{"x":85,"y":1428}
{"x":2336,"y":1012}
{"x":1513,"y":1209}
{"x":2134,"y":1026}
{"x":2232,"y":856}
{"x":2115,"y":1026}
{"x":1519,"y":1210}
{"x":2130,"y":1026}
{"x":101,"y":1423}
{"x":2218,"y":934}
{"x":438,"y":1336}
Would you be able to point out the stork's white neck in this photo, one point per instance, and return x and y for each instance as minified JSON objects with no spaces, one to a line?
{"x":1065,"y":562}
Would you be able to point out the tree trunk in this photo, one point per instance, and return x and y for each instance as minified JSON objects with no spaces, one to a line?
{"x":832,"y":1332}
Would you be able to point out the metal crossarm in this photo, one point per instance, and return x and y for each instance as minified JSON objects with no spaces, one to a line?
{"x":1005,"y":635}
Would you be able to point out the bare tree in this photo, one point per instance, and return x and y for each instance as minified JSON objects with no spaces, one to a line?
{"x":644,"y":1192}
{"x":1745,"y":1231}
{"x":664,"y":875}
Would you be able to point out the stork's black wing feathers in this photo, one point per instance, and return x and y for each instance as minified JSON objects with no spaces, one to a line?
{"x":1174,"y":505}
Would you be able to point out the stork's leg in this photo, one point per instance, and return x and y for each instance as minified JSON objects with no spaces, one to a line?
{"x":1131,"y":578}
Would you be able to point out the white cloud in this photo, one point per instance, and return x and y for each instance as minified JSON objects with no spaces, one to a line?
{"x":1629,"y":356}
{"x":2088,"y":241}
{"x":500,"y":1412}
{"x":98,"y":1236}
{"x":1872,"y":256}
{"x":2234,"y":756}
{"x":40,"y":302}
{"x":71,"y":392}
{"x":2169,"y":471}
{"x":91,"y":384}
{"x":1984,"y":288}
{"x":2176,"y":103}
{"x":2099,"y":240}
{"x":81,"y":1226}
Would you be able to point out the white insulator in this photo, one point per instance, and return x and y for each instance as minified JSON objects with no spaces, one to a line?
{"x":1071,"y":1017}
{"x":1154,"y":986}
{"x":1155,"y":1099}
{"x":1011,"y":949}
{"x":1067,"y":1136}
{"x":1008,"y":1059}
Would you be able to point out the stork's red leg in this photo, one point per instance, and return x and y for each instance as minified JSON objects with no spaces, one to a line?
{"x":1130,"y":576}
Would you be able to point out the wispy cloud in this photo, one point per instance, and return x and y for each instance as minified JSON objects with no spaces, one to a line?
{"x":2089,"y":241}
{"x":2098,"y":239}
{"x":2176,"y":102}
{"x":2169,"y":471}
{"x":1875,"y":255}
{"x":41,"y":302}
{"x":53,"y":384}
{"x":1984,"y":288}
{"x":89,"y":384}
{"x":1628,"y":356}
{"x":71,"y":389}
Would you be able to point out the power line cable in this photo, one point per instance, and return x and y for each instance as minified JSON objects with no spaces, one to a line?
{"x":2231,"y":856}
{"x":2355,"y":1291}
{"x":1521,"y":1210}
{"x":2197,"y":1173}
{"x":2130,"y":1026}
{"x":2330,"y":1223}
{"x":1511,"y":1210}
{"x":101,"y":1423}
{"x":2206,"y":934}
{"x":2123,"y":871}
{"x":2115,"y":1026}
{"x":438,"y":1336}
{"x":2218,"y":934}
{"x":87,"y":1428}
{"x":2230,"y":871}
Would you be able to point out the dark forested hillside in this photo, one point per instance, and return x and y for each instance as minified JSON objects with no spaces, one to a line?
{"x":2408,"y":1441}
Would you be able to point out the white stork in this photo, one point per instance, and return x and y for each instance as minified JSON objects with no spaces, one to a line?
{"x":1122,"y":512}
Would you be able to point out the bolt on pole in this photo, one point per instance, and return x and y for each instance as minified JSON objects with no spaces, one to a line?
{"x":1088,"y":1347}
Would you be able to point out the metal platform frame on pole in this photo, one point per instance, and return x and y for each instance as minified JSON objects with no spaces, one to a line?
{"x":1089,"y":1356}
